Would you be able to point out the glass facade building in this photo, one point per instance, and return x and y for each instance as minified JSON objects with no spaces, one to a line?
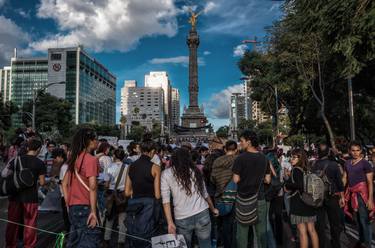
{"x":89,"y":86}
{"x":27,"y":75}
{"x":78,"y":78}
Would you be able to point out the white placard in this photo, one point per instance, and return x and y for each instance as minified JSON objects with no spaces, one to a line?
{"x":112,"y":140}
{"x":168,"y":241}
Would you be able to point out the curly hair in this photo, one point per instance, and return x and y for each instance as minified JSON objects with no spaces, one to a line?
{"x":186,"y":172}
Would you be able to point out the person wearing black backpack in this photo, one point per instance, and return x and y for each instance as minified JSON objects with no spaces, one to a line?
{"x":25,"y":202}
{"x":333,"y":198}
{"x":301,"y":214}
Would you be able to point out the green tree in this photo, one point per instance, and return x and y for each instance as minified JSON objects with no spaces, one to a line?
{"x":246,"y":124}
{"x":51,"y":113}
{"x":222,"y":132}
{"x":311,"y":52}
{"x":156,"y":129}
{"x":6,"y":111}
{"x":265,"y":133}
{"x":136,"y":132}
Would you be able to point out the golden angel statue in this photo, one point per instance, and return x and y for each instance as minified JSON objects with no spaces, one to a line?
{"x":193,"y":18}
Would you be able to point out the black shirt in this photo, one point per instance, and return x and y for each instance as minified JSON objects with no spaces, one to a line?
{"x":251,"y":167}
{"x":141,"y":177}
{"x":37,"y":167}
{"x":332,"y":172}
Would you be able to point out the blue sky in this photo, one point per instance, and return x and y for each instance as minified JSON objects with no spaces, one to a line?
{"x":133,"y":37}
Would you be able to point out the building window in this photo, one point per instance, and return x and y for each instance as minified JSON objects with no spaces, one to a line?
{"x":55,"y":56}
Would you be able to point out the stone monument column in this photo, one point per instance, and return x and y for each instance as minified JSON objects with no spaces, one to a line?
{"x":193,"y":119}
{"x":193,"y":43}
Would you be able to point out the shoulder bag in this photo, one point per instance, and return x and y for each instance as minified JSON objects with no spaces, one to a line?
{"x":247,"y":208}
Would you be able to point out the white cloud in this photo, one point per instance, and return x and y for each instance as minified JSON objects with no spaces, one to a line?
{"x":11,"y":36}
{"x":239,"y":50}
{"x":23,"y":13}
{"x":182,"y":60}
{"x":219,"y":103}
{"x":106,"y":25}
{"x":241,"y":17}
{"x":2,"y":2}
{"x":206,"y":53}
{"x":209,"y":6}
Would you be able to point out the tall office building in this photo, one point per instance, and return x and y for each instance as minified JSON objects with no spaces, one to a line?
{"x":89,"y":86}
{"x":175,"y":96}
{"x":125,"y":94}
{"x":145,"y":106}
{"x":79,"y":78}
{"x":237,"y":110}
{"x":27,"y":75}
{"x":258,"y":115}
{"x":160,"y":79}
{"x":253,"y":109}
{"x":5,"y":83}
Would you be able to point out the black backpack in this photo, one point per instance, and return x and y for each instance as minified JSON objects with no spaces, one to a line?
{"x":20,"y":179}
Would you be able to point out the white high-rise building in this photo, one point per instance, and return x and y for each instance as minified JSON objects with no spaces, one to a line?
{"x":145,"y":106}
{"x":253,"y":109}
{"x":5,"y":84}
{"x":237,"y":110}
{"x":175,"y":106}
{"x":159,"y":79}
{"x":124,"y":95}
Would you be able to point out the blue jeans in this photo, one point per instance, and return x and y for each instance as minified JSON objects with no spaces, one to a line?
{"x":141,"y":220}
{"x":200,"y":224}
{"x":365,"y":229}
{"x":80,"y":234}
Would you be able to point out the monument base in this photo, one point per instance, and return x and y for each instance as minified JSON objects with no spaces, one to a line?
{"x":193,"y":118}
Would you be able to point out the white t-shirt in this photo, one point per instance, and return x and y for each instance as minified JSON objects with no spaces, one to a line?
{"x":156,"y":160}
{"x":184,"y":206}
{"x":105,"y":162}
{"x":113,"y":173}
{"x":286,"y":167}
{"x":63,"y":170}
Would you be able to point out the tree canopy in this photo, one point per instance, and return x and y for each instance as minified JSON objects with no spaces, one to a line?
{"x":50,"y":113}
{"x":314,"y":49}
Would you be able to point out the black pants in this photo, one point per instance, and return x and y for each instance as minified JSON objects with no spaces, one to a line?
{"x":65,"y":215}
{"x":225,"y":230}
{"x":332,"y":209}
{"x":276,"y":218}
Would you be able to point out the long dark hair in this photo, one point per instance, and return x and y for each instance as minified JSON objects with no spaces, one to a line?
{"x":80,"y":142}
{"x":302,"y":158}
{"x":185,"y":170}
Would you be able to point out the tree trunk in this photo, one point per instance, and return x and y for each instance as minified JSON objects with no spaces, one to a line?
{"x":329,"y":129}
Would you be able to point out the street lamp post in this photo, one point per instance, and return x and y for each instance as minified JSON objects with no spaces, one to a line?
{"x":351,"y":109}
{"x":35,"y":97}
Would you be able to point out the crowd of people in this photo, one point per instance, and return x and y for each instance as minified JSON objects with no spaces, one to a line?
{"x":229,"y":194}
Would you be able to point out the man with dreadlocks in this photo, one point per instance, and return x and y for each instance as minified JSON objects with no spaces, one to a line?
{"x":190,"y":199}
